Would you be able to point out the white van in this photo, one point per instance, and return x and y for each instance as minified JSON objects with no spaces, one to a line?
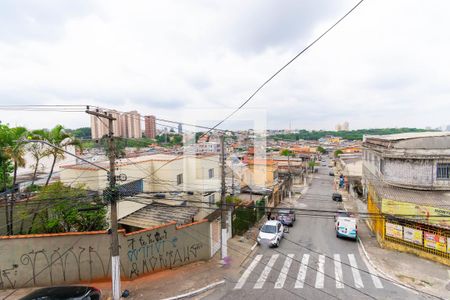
{"x":346,"y":227}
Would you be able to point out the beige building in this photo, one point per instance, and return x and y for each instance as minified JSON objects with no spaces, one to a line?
{"x":127,"y":125}
{"x":152,"y":173}
{"x":130,"y":123}
{"x":99,"y":126}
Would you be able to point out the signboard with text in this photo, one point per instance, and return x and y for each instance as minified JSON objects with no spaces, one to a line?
{"x":394,"y":230}
{"x":434,"y":241}
{"x":428,"y":214}
{"x":412,"y":235}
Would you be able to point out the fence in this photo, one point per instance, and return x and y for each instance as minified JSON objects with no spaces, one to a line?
{"x":423,"y":237}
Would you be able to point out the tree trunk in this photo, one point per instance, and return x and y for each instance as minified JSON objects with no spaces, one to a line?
{"x":51,"y":170}
{"x":13,"y":195}
{"x":35,"y":172}
{"x":6,"y":200}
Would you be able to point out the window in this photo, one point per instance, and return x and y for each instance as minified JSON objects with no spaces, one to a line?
{"x":179,"y":179}
{"x":382,"y":166}
{"x":443,"y":171}
{"x":211,"y":173}
{"x":212,"y":199}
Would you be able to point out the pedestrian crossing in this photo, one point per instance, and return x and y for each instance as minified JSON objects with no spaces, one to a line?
{"x":297,"y":271}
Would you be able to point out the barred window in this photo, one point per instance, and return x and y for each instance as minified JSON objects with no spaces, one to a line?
{"x":443,"y":171}
{"x":179,"y":179}
{"x":212,"y":199}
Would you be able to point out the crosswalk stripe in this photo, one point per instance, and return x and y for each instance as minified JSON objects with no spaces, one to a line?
{"x":284,"y":271}
{"x":356,"y":276}
{"x":320,"y":276}
{"x":376,"y":281}
{"x":247,"y":272}
{"x":302,"y":272}
{"x":338,"y":272}
{"x":260,"y":282}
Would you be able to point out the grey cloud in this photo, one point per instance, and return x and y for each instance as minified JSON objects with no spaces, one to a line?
{"x":276,"y":23}
{"x":38,"y":19}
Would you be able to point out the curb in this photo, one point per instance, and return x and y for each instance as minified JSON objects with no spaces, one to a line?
{"x":196,"y":292}
{"x":384,"y":274}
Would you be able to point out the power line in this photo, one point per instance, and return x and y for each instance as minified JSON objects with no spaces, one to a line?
{"x":284,"y":66}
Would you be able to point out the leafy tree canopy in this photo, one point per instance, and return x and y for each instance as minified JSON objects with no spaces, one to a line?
{"x":63,"y":214}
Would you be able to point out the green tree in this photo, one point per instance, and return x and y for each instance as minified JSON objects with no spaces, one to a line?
{"x":312,"y":164}
{"x":37,"y":151}
{"x":337,"y":152}
{"x":286,"y":152}
{"x":58,"y":137}
{"x":69,"y":209}
{"x":16,"y":152}
{"x":82,"y":133}
{"x":321,"y":150}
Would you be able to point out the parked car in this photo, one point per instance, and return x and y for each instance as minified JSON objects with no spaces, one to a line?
{"x":336,"y":197}
{"x":286,"y":217}
{"x":72,"y":292}
{"x":346,"y":227}
{"x":271,"y":233}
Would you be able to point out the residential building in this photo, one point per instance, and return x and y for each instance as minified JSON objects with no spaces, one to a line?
{"x":407,"y":183}
{"x":126,"y":125}
{"x":157,"y":173}
{"x":150,"y":126}
{"x":99,"y":126}
{"x":130,"y":123}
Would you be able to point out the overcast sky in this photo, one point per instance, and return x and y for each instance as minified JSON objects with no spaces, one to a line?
{"x":386,"y":65}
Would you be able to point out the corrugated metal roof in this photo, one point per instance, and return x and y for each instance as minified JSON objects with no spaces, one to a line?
{"x":157,"y":214}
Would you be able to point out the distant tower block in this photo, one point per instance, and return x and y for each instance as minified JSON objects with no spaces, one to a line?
{"x":150,"y":127}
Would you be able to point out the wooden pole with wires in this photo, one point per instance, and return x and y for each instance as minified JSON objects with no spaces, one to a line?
{"x":112,"y":196}
{"x":224,"y":210}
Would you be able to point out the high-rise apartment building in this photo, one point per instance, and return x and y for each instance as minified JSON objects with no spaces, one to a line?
{"x":150,"y":127}
{"x":126,"y":125}
{"x":99,"y":126}
{"x":130,"y":123}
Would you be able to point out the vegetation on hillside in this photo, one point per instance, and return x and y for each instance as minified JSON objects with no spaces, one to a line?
{"x":349,"y":135}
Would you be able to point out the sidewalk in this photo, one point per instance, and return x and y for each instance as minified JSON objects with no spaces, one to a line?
{"x":406,"y":268}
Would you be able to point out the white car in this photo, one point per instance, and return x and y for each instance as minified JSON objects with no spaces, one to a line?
{"x":271,"y":233}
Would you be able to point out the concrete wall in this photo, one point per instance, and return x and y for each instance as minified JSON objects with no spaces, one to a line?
{"x":412,"y":173}
{"x":41,"y":260}
{"x":409,"y":172}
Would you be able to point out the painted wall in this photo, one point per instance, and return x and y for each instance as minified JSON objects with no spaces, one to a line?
{"x":42,"y":260}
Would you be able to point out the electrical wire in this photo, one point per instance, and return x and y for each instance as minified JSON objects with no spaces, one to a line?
{"x":283,"y":67}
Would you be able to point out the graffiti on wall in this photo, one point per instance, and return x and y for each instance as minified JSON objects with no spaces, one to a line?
{"x":45,"y":266}
{"x":154,"y":251}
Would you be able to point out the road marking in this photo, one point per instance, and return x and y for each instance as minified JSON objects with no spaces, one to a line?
{"x":254,"y":246}
{"x":260,"y":282}
{"x":320,"y":272}
{"x":356,"y":276}
{"x":338,"y":272}
{"x":302,"y":272}
{"x":284,"y":271}
{"x":376,"y":281}
{"x":247,"y":272}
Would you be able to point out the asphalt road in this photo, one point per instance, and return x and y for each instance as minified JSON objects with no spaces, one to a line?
{"x":311,"y":262}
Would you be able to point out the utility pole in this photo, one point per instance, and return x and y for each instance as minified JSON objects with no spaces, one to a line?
{"x":224,"y":210}
{"x":289,"y":170}
{"x":112,"y":195}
